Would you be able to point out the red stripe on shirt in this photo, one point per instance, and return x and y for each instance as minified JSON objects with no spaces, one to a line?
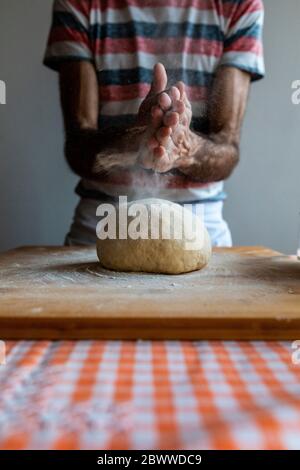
{"x":109,"y":93}
{"x":62,"y":33}
{"x":246,"y":44}
{"x":119,"y":4}
{"x":223,"y":9}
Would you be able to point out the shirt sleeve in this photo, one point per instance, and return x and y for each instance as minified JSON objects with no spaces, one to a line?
{"x":69,"y":37}
{"x":243,"y":47}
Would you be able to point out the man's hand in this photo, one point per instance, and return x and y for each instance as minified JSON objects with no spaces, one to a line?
{"x":206,"y":158}
{"x":167,"y":115}
{"x":171,"y":144}
{"x":161,"y":112}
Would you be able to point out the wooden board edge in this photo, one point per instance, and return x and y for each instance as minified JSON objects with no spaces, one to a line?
{"x":211,"y":330}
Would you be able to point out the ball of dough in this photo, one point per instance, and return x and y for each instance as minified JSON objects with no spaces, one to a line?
{"x":173,"y":239}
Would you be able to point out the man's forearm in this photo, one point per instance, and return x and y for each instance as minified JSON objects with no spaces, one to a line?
{"x":92,"y":152}
{"x":212,"y":158}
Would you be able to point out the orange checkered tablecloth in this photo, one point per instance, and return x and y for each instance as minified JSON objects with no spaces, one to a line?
{"x":149,"y":395}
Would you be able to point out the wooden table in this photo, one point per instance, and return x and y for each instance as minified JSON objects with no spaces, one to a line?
{"x":56,"y":293}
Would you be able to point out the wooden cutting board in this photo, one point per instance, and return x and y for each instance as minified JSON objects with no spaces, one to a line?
{"x":55,"y":293}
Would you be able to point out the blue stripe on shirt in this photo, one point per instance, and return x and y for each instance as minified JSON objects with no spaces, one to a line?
{"x":132,"y":29}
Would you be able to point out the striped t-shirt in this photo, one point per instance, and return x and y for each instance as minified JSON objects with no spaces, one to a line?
{"x":125,"y":38}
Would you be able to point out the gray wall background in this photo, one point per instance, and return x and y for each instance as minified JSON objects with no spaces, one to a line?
{"x":36,"y":187}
